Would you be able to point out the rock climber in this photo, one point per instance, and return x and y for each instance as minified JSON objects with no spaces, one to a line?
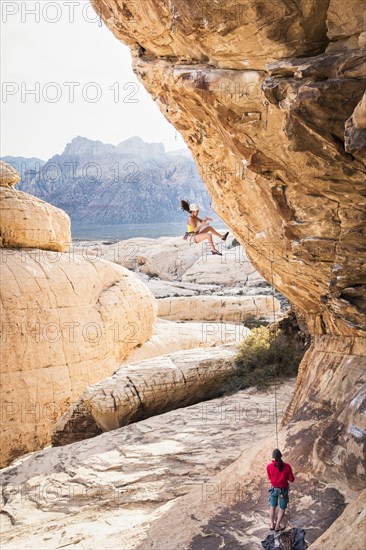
{"x":198,"y":229}
{"x":279,"y":474}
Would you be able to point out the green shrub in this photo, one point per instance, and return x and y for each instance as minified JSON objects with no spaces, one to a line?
{"x":265,"y":357}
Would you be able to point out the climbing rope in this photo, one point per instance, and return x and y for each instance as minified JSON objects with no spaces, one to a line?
{"x":275,"y":351}
{"x":271,"y":259}
{"x":173,"y":19}
{"x":267,"y":104}
{"x":100,"y":22}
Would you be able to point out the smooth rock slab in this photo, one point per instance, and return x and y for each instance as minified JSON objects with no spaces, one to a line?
{"x":106,"y":491}
{"x":236,"y":309}
{"x":230,"y":269}
{"x":146,"y":388}
{"x":171,"y":336}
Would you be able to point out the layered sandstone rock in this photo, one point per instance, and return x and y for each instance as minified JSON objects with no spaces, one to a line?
{"x":165,"y":289}
{"x":146,"y":388}
{"x":28,"y":222}
{"x":352,"y":525}
{"x":170,"y":336}
{"x":67,"y":323}
{"x":9,"y":177}
{"x":168,"y":258}
{"x":237,"y":309}
{"x":231,"y":269}
{"x":122,"y":252}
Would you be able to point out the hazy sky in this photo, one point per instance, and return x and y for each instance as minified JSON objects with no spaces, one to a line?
{"x":48,"y":52}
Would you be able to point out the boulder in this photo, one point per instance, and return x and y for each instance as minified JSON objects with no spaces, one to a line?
{"x":237,"y":309}
{"x":167,"y":257}
{"x":146,"y":388}
{"x":122,"y":252}
{"x":355,"y":130}
{"x":9,"y":177}
{"x":67,"y":323}
{"x":29,"y":222}
{"x":231,"y":269}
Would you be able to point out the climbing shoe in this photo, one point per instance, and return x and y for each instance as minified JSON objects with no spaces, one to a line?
{"x":216,"y":252}
{"x":225,"y":236}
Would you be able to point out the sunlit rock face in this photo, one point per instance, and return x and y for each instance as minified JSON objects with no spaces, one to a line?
{"x":66,"y":322}
{"x":261,"y":92}
{"x":29,"y":222}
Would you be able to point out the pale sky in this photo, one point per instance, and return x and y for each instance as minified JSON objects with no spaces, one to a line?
{"x":46,"y":53}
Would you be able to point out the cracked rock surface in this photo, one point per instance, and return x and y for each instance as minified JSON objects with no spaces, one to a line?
{"x":29,"y":222}
{"x":105,"y":492}
{"x":146,"y":388}
{"x":67,"y":323}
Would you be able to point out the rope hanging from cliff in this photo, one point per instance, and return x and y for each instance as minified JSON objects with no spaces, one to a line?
{"x":100,"y":22}
{"x":271,"y":258}
{"x":267,"y":105}
{"x":173,"y":19}
{"x":275,"y":352}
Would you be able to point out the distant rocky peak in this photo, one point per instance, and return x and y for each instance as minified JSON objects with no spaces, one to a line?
{"x":137,"y":145}
{"x":81,"y":146}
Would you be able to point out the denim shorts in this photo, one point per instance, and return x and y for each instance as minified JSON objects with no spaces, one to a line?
{"x":278,"y":494}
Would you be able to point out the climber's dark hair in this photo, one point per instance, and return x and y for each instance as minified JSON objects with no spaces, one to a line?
{"x":184,"y":204}
{"x":277,"y":456}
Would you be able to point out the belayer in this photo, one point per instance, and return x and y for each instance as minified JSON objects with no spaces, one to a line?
{"x":198,"y":230}
{"x":279,"y":474}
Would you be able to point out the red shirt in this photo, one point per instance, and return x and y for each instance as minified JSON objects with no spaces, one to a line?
{"x":277,"y":478}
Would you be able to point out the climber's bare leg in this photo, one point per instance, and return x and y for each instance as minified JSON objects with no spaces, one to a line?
{"x":281,"y":513}
{"x":210,"y":229}
{"x":272,"y":513}
{"x":203,"y":236}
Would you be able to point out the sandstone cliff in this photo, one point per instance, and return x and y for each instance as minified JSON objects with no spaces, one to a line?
{"x":269,"y":98}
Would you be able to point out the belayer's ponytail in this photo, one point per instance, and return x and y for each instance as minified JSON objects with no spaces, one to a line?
{"x":277,"y":456}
